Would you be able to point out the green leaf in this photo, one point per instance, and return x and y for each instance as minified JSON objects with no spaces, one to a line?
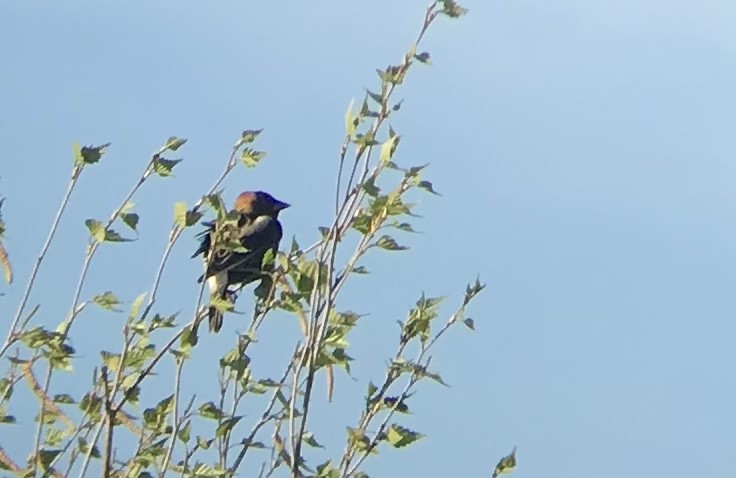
{"x":365,"y":111}
{"x":88,"y":154}
{"x":204,"y":443}
{"x":113,"y":236}
{"x":210,"y":410}
{"x":308,"y":438}
{"x":424,"y":58}
{"x":107,"y":300}
{"x":130,"y":220}
{"x":389,"y":243}
{"x":64,"y":398}
{"x":96,"y":229}
{"x":7,"y":419}
{"x":251,"y":157}
{"x":184,"y":217}
{"x":370,"y":188}
{"x":111,"y":360}
{"x":365,"y":139}
{"x":472,"y":290}
{"x":469,"y":323}
{"x":506,"y":464}
{"x":427,"y":186}
{"x":375,"y":97}
{"x":403,"y":226}
{"x":226,"y":426}
{"x":389,"y":148}
{"x":163,"y":167}
{"x":46,"y":457}
{"x":327,"y":470}
{"x":397,"y":404}
{"x":6,"y":389}
{"x":400,"y":437}
{"x":173,"y":143}
{"x":351,"y":121}
{"x":452,"y":9}
{"x":84,"y":448}
{"x":250,"y":135}
{"x":136,"y":306}
{"x":185,"y":432}
{"x":268,"y":259}
{"x":214,"y":202}
{"x":371,"y":389}
{"x":223,"y":305}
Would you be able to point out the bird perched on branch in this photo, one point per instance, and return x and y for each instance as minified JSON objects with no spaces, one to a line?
{"x":234,"y":249}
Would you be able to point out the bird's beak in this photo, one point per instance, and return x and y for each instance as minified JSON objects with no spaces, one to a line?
{"x":279,"y":205}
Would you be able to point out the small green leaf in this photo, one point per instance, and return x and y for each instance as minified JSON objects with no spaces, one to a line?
{"x":7,"y":419}
{"x":268,"y":259}
{"x":226,"y":426}
{"x":308,"y":438}
{"x":427,"y":186}
{"x":452,"y":9}
{"x":136,"y":306}
{"x":96,"y":229}
{"x":107,"y":300}
{"x":327,"y":470}
{"x":389,"y":148}
{"x":173,"y":143}
{"x":64,"y":398}
{"x":113,"y":236}
{"x":46,"y":457}
{"x":223,"y":305}
{"x":424,"y":58}
{"x":130,"y":220}
{"x":506,"y":464}
{"x":88,"y":154}
{"x":214,"y":202}
{"x":371,"y":389}
{"x":251,"y":157}
{"x":390,"y":244}
{"x":210,"y":410}
{"x":365,"y":140}
{"x":184,"y":217}
{"x":403,"y":226}
{"x":374,"y":96}
{"x":185,"y":432}
{"x":370,"y":188}
{"x":350,"y":118}
{"x":111,"y":360}
{"x":469,"y":323}
{"x":400,"y":437}
{"x":250,"y":135}
{"x":163,"y":167}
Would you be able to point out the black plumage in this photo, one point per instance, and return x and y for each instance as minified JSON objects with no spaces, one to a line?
{"x":256,"y":228}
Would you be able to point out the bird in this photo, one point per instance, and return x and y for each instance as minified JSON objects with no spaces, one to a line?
{"x":253,"y":231}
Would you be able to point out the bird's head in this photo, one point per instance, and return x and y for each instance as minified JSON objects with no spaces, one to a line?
{"x":258,"y":203}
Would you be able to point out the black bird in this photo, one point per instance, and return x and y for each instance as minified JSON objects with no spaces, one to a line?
{"x":256,"y":229}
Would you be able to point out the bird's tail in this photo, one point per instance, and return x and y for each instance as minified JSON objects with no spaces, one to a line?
{"x":214,"y":314}
{"x":215,"y":319}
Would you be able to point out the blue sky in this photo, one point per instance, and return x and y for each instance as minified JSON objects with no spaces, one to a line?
{"x":584,"y":150}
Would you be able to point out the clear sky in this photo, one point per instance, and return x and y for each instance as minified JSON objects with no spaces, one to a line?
{"x":585,"y":151}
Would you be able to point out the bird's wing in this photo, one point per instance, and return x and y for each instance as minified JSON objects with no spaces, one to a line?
{"x":257,"y":235}
{"x":205,"y":238}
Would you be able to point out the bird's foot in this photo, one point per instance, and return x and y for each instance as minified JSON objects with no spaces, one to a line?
{"x":231,"y":296}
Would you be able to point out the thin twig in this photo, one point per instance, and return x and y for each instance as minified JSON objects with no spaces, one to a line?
{"x":44,"y":249}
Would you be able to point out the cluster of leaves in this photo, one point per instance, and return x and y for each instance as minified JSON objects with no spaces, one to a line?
{"x":111,"y":431}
